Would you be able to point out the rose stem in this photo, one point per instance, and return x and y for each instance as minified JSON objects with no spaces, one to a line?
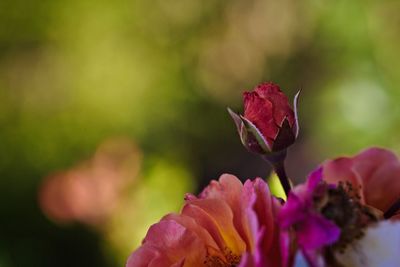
{"x":392,"y":210}
{"x":279,"y":167}
{"x":277,"y":160}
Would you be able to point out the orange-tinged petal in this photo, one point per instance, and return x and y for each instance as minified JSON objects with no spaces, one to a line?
{"x":216,"y":216}
{"x":240,"y":200}
{"x":190,"y":224}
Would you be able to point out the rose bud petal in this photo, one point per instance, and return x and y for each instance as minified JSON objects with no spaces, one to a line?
{"x":268,"y":124}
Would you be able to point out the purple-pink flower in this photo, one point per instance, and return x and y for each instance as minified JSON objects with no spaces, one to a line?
{"x":302,"y":212}
{"x":228,"y":224}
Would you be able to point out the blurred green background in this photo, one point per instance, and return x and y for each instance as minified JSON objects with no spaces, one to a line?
{"x":111,"y":110}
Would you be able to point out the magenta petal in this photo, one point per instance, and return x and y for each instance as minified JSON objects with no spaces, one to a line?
{"x":292,"y":212}
{"x":284,"y":246}
{"x":314,"y":179}
{"x":316,"y":232}
{"x":259,"y":255}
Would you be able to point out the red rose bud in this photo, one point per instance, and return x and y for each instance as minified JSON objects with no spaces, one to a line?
{"x":269,"y":124}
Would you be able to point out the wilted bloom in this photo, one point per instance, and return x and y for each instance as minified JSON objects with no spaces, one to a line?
{"x":268,"y":124}
{"x":374,"y":174}
{"x":228,"y":224}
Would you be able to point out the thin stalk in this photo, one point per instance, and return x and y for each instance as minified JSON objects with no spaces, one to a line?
{"x":279,"y":168}
{"x":277,"y":160}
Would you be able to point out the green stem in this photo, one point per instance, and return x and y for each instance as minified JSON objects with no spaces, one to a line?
{"x":279,"y":168}
{"x":277,"y":160}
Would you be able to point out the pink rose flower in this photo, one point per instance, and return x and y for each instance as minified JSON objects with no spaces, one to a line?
{"x":374,"y":173}
{"x":269,"y":123}
{"x":228,"y":224}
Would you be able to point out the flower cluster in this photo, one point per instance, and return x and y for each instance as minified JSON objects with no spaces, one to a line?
{"x":346,"y":214}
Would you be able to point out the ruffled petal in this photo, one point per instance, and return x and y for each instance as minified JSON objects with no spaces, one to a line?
{"x":260,"y":112}
{"x":190,"y":224}
{"x":281,"y":107}
{"x":239,"y":199}
{"x":216,"y":217}
{"x":174,"y":244}
{"x":380,"y":172}
{"x":142,"y":256}
{"x":374,"y":171}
